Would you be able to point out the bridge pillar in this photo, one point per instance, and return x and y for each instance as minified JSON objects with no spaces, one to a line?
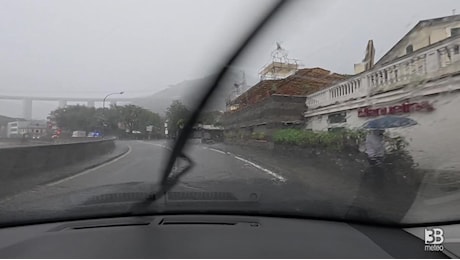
{"x":91,"y":103}
{"x":27,"y":109}
{"x":62,"y":103}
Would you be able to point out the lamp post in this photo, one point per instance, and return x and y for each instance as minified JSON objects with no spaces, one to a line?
{"x":116,"y":93}
{"x":103,"y":105}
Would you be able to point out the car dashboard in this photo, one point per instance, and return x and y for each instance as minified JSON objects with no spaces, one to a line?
{"x":209,"y":236}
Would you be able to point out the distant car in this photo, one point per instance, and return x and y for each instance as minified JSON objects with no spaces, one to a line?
{"x":79,"y":134}
{"x":94,"y":134}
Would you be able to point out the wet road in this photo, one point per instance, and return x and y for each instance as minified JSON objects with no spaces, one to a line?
{"x":291,"y":184}
{"x":144,"y":162}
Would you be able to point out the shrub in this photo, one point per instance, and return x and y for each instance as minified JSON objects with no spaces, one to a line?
{"x":258,"y":135}
{"x":329,"y":140}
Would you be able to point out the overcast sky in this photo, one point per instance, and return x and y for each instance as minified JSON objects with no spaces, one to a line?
{"x":90,"y":48}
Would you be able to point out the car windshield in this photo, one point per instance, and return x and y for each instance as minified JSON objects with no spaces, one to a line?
{"x":316,"y":109}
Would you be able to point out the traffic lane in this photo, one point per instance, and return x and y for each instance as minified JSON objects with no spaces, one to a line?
{"x":343,"y":185}
{"x":214,"y":164}
{"x":274,"y":188}
{"x":213,"y":170}
{"x":146,"y":160}
{"x":334,"y":193}
{"x":143,"y":163}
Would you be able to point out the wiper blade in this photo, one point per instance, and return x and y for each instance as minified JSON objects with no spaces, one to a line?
{"x":168,"y":181}
{"x":174,"y":175}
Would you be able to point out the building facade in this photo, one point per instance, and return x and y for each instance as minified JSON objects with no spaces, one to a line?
{"x":271,"y":105}
{"x":421,"y":83}
{"x":29,"y":128}
{"x":422,"y":35}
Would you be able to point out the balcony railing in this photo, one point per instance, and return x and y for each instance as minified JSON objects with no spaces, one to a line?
{"x":435,"y":61}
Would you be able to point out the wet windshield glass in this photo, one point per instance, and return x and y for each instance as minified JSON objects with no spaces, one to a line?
{"x":334,"y":110}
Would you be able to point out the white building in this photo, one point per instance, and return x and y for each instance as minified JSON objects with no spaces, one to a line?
{"x":31,"y":128}
{"x":418,"y":78}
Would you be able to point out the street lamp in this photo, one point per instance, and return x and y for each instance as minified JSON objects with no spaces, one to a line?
{"x":103,"y":105}
{"x":116,"y":93}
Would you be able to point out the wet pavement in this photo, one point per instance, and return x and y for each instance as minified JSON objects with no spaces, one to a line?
{"x":296,"y":183}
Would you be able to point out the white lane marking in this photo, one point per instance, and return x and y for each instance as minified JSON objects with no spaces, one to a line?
{"x":277,"y":176}
{"x":218,"y":151}
{"x":280,"y":178}
{"x":91,"y":170}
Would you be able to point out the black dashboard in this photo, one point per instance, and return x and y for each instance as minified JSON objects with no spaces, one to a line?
{"x":209,"y":236}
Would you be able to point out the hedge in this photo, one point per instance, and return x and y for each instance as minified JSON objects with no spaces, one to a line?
{"x":329,"y":140}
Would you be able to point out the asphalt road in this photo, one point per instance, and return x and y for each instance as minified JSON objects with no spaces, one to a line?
{"x":218,"y":167}
{"x":145,"y":160}
{"x":228,"y":169}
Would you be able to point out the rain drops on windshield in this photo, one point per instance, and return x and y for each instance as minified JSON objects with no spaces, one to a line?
{"x":328,"y":112}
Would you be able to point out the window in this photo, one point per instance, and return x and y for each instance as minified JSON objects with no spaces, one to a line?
{"x":337,"y":118}
{"x":456,"y":49}
{"x":455,"y":31}
{"x":409,"y":49}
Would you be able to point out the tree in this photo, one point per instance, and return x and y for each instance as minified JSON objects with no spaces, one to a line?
{"x":115,"y":119}
{"x":176,"y":114}
{"x":72,"y":118}
{"x":135,"y":118}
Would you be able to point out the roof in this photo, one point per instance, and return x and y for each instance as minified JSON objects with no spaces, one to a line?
{"x":416,"y":52}
{"x":303,"y":82}
{"x":421,"y":24}
{"x":30,"y":123}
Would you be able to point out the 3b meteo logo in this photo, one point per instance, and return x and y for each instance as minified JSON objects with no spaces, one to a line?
{"x":434,"y":237}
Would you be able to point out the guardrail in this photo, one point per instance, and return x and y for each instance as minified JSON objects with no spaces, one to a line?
{"x":27,"y":160}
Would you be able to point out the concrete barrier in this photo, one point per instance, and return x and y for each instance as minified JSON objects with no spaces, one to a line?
{"x":19,"y":161}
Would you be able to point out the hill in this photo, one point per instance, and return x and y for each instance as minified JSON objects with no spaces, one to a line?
{"x":189,"y":92}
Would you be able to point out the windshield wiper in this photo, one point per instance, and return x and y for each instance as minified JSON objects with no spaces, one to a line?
{"x":169,"y":180}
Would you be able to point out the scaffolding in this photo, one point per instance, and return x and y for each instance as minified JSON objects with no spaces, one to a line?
{"x":281,"y":66}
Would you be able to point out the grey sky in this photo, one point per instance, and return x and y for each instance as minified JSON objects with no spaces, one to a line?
{"x":89,"y":48}
{"x":333,"y":34}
